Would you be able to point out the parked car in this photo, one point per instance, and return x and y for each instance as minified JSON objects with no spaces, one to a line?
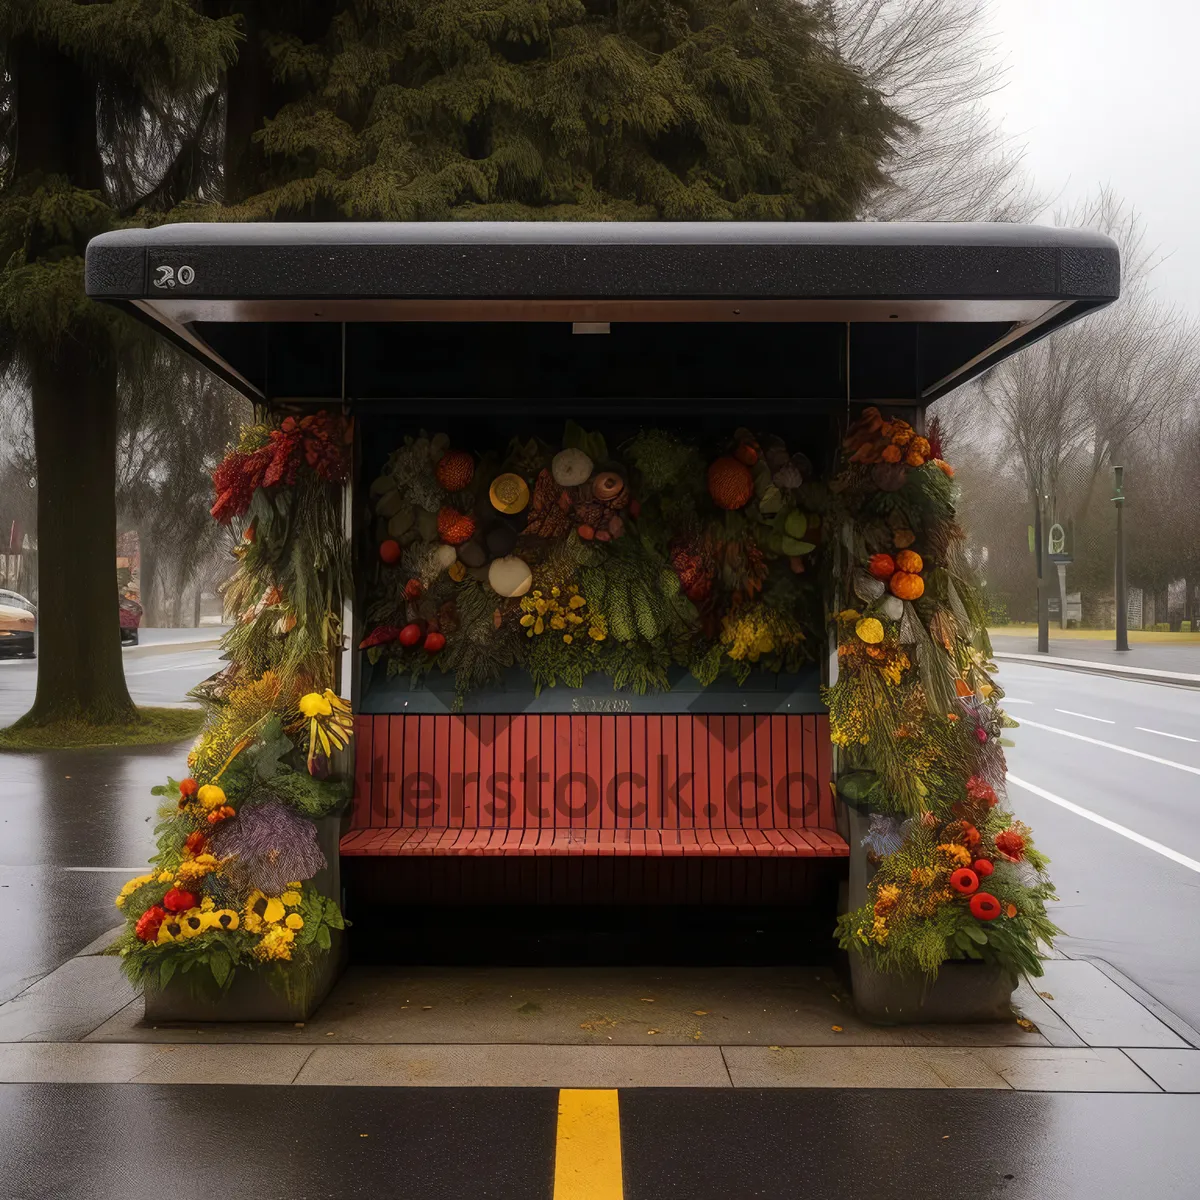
{"x":131,"y":618}
{"x":18,"y":619}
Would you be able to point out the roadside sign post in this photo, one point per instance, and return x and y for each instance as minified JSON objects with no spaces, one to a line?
{"x":1121,"y":590}
{"x":1043,"y":636}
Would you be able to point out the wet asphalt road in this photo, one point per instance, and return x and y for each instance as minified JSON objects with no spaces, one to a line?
{"x":143,"y":1142}
{"x":73,"y":822}
{"x":1121,"y":901}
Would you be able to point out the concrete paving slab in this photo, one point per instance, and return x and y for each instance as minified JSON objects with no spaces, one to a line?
{"x":72,"y":1062}
{"x":102,"y":943}
{"x":582,"y":1006}
{"x":1057,"y":1069}
{"x":224,"y":1064}
{"x":1028,"y":1001}
{"x":858,"y":1067}
{"x":68,"y":1003}
{"x":515,"y":1066}
{"x":1172,"y":1070}
{"x":1099,"y":1011}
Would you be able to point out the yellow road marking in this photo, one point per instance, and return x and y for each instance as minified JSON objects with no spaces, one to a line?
{"x":587,"y":1156}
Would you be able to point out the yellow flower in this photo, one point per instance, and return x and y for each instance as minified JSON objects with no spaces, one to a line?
{"x":315,"y":705}
{"x":568,"y":638}
{"x":294,"y":887}
{"x":923,"y":876}
{"x":528,"y":619}
{"x":275,"y":943}
{"x":165,"y":877}
{"x":261,"y":910}
{"x":960,"y":854}
{"x":291,"y":897}
{"x":132,"y":886}
{"x":294,"y":921}
{"x":207,"y":905}
{"x":539,"y":626}
{"x":576,"y":602}
{"x":196,"y":868}
{"x":222,"y":918}
{"x":192,"y":922}
{"x":557,"y":623}
{"x":211,"y":796}
{"x":597,"y":633}
{"x":170,"y":931}
{"x":555,"y":592}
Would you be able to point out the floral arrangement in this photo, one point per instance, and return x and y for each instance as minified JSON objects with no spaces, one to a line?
{"x":231,"y":885}
{"x":571,"y":559}
{"x":916,"y":717}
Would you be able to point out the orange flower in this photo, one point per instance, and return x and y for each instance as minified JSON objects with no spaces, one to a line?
{"x":891,"y":454}
{"x":1011,"y":910}
{"x":945,"y":468}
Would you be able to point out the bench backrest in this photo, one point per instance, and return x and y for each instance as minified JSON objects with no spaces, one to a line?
{"x":593,"y":772}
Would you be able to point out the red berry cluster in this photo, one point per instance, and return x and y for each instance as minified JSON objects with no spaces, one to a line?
{"x":319,"y":440}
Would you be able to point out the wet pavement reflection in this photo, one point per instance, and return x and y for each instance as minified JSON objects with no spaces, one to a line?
{"x":79,"y":809}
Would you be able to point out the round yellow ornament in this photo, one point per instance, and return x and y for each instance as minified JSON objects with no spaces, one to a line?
{"x":211,"y":796}
{"x":870,"y":630}
{"x":509,"y":493}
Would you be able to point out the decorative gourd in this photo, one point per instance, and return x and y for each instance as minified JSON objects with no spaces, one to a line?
{"x":458,"y":571}
{"x":910,"y":561}
{"x":869,"y":630}
{"x":455,"y":470}
{"x":444,"y":557}
{"x":571,"y":467}
{"x":882,"y":566}
{"x":454,"y":527}
{"x":892,"y":608}
{"x":746,"y":454}
{"x":389,"y":551}
{"x":510,"y":576}
{"x":730,"y":483}
{"x":907,"y":586}
{"x":607,"y":485}
{"x":509,"y":493}
{"x":903,"y":538}
{"x":434,"y":642}
{"x":410,"y":635}
{"x":413,"y":589}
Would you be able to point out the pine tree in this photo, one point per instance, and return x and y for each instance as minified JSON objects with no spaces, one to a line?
{"x":571,"y":110}
{"x":97,"y":119}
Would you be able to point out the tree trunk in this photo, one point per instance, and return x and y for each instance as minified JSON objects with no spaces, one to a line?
{"x":80,"y":675}
{"x":198,"y":595}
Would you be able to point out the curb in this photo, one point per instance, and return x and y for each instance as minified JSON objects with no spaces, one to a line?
{"x":1170,"y":1019}
{"x":1141,"y":674}
{"x":151,"y":648}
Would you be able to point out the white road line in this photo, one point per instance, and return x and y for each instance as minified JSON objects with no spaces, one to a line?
{"x":1163,"y":733}
{"x":1087,"y":814}
{"x":1067,"y":712}
{"x":177,"y":667}
{"x":107,"y":870}
{"x":1014,"y":700}
{"x":1079,"y":737}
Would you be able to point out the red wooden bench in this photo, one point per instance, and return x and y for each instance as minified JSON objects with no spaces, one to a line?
{"x":593,"y":785}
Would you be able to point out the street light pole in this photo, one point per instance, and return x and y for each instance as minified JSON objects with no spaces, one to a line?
{"x":1043,"y":641}
{"x":1122,"y":593}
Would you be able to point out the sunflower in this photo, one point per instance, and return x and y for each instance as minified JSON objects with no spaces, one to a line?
{"x":261,"y":910}
{"x":170,"y":931}
{"x":222,"y":918}
{"x":193,"y":922}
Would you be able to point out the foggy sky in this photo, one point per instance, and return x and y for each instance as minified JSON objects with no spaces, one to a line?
{"x":1103,"y":91}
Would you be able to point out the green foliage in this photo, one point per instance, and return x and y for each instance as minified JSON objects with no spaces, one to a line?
{"x":705,"y":110}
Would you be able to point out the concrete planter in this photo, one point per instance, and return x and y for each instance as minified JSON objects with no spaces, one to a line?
{"x":268,"y":994}
{"x":275,"y":993}
{"x":963,"y":991}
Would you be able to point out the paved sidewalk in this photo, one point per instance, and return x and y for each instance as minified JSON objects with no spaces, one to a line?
{"x":1082,"y":1030}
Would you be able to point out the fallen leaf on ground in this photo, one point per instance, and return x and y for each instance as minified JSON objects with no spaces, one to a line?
{"x":1046,"y":995}
{"x":647,"y":999}
{"x":699,"y":1012}
{"x":774,"y":1047}
{"x":697,"y":1036}
{"x":836,"y":1028}
{"x":597,"y":1023}
{"x":1027,"y":1025}
{"x":654,"y":1031}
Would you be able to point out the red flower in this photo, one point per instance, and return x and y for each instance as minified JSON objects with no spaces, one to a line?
{"x":980,"y":789}
{"x":195,"y":843}
{"x":965,"y":881}
{"x":177,"y":900}
{"x":1011,"y":845}
{"x":984,"y":906}
{"x":982,"y":867}
{"x":148,"y":923}
{"x":980,"y":734}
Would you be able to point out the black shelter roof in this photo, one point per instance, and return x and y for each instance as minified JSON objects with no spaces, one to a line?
{"x":708,"y":311}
